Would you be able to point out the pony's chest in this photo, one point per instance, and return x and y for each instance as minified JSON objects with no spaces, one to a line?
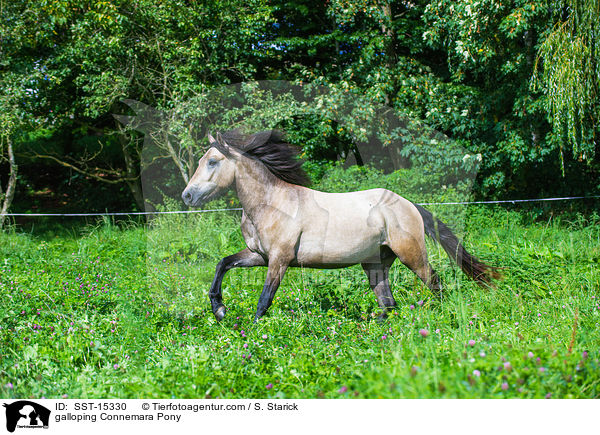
{"x":276,"y":230}
{"x":251,"y":236}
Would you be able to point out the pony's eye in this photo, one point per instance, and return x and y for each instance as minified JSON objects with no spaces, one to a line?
{"x":212,"y":163}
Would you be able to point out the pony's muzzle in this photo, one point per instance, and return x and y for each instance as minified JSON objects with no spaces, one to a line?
{"x":187,"y":197}
{"x":194,"y":196}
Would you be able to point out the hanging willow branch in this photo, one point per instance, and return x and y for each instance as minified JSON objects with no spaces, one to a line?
{"x":567,"y":71}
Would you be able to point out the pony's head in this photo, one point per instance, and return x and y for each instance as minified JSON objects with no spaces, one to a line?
{"x":214,"y":175}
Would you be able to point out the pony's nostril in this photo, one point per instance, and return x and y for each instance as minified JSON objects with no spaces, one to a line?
{"x":187,"y":197}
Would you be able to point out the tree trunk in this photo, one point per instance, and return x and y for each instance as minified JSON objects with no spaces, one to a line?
{"x":12,"y":182}
{"x":133,"y":180}
{"x":176,"y":158}
{"x":133,"y":175}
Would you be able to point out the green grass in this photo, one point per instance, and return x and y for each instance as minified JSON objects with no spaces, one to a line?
{"x":122,"y":311}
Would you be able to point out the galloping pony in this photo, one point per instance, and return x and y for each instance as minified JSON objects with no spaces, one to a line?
{"x":286,"y":224}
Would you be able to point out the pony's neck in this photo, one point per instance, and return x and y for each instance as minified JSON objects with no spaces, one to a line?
{"x":254,"y":184}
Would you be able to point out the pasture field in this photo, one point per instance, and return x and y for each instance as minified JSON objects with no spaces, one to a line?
{"x":121,"y":311}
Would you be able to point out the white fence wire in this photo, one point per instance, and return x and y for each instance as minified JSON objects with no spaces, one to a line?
{"x":138,"y":213}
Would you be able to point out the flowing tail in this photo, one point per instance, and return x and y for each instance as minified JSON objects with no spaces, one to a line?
{"x":478,"y":271}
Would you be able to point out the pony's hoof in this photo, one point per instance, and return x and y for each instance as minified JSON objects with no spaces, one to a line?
{"x":381,"y":318}
{"x":220,"y":313}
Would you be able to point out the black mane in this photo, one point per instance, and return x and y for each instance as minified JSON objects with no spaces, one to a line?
{"x":270,"y":148}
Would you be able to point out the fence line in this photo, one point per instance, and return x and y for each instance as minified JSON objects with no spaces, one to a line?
{"x":138,"y":213}
{"x":124,"y":213}
{"x":511,"y":201}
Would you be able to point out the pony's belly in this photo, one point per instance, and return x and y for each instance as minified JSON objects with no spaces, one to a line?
{"x":338,"y":251}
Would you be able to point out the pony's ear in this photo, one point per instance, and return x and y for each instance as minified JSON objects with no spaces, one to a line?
{"x":220,"y":144}
{"x":211,"y":140}
{"x":220,"y":139}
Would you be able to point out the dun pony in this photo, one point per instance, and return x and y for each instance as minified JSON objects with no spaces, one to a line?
{"x":287,"y":224}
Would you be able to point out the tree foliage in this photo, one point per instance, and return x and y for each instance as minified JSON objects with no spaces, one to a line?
{"x":568,"y":73}
{"x":462,"y":68}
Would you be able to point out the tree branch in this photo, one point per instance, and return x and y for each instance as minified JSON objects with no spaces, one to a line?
{"x":122,"y":178}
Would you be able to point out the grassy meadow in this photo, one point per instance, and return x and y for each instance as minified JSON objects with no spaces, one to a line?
{"x":121,"y":311}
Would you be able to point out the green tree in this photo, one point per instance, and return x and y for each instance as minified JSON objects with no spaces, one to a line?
{"x":9,"y":123}
{"x":568,"y":72}
{"x":463,"y":68}
{"x":89,"y":55}
{"x":18,"y":94}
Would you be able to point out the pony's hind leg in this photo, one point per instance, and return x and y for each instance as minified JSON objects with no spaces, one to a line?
{"x":377,"y":274}
{"x":412,"y":253}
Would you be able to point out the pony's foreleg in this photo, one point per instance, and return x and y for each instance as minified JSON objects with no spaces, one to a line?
{"x":378,"y":280}
{"x":245,"y":258}
{"x":275,"y":274}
